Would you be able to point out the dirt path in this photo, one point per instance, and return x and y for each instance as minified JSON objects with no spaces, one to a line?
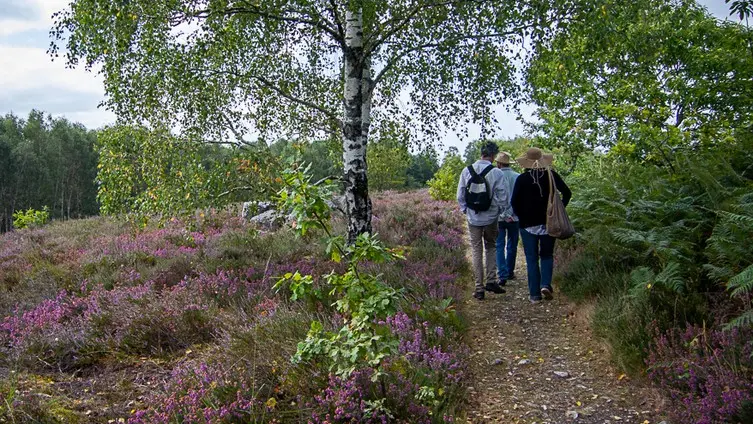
{"x":516,"y":348}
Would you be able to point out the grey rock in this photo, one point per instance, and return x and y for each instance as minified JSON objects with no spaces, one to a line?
{"x":573,"y":415}
{"x":524,"y":362}
{"x":499,"y":361}
{"x":270,"y":220}
{"x":562,"y":374}
{"x":251,"y":209}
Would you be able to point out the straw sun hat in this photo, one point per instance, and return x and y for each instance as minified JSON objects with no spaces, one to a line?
{"x":503,"y":158}
{"x":534,"y":159}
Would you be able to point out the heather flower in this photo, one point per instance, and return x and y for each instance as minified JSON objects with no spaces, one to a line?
{"x":706,"y":373}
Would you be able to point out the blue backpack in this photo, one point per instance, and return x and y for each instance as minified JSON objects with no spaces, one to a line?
{"x":478,"y":193}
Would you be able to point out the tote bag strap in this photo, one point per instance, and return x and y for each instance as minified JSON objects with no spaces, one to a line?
{"x":552,"y":186}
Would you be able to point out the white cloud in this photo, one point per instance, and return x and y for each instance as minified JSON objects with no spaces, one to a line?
{"x":29,"y":79}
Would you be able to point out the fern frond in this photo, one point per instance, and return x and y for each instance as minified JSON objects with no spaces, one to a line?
{"x":641,"y":279}
{"x":742,"y":283}
{"x":628,"y":236}
{"x":737,"y":219}
{"x":671,"y":278}
{"x":744,"y":320}
{"x":718,"y":273}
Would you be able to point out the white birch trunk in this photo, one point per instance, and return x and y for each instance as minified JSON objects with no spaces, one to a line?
{"x":356,"y":120}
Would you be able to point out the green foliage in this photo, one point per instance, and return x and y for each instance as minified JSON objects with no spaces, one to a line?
{"x":422,"y":167}
{"x":652,"y":244}
{"x":46,"y":162}
{"x":643,"y":79}
{"x":389,"y":161}
{"x":31,"y":218}
{"x":361,"y":299}
{"x":223,"y":74}
{"x":148,"y":172}
{"x":731,"y":254}
{"x":304,"y":200}
{"x":444,"y":185}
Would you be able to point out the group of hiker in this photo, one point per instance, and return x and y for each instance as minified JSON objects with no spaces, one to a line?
{"x":500,"y":204}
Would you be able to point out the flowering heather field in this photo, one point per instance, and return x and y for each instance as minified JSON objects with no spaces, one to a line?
{"x":105,"y":324}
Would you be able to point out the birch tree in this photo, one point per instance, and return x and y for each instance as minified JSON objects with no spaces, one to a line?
{"x":242,"y":70}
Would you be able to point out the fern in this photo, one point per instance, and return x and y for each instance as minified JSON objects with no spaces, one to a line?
{"x":671,"y":278}
{"x":641,"y":280}
{"x":737,"y":219}
{"x":744,"y":320}
{"x":742,"y":283}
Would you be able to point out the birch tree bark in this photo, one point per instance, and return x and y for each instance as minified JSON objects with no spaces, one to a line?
{"x":357,"y":108}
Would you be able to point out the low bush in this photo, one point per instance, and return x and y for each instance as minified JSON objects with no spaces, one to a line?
{"x":656,"y":251}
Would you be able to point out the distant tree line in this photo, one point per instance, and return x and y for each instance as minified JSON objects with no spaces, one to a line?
{"x":46,"y":162}
{"x":54,"y":163}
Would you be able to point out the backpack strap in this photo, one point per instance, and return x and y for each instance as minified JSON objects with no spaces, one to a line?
{"x":472,"y":171}
{"x":486,"y":170}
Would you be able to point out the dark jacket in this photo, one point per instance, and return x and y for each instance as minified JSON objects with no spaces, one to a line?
{"x":531,"y":194}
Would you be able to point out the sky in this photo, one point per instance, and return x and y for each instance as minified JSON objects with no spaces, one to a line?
{"x":29,"y":79}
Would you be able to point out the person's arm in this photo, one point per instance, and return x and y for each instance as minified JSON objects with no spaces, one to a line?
{"x":462,"y":182}
{"x":563,"y":188}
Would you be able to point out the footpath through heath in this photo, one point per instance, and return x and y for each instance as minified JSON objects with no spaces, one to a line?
{"x":540,"y":364}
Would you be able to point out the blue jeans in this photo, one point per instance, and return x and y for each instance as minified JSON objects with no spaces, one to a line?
{"x":538,"y":249}
{"x":506,"y":265}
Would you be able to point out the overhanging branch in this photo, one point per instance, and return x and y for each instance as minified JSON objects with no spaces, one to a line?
{"x":266,"y":83}
{"x":392,"y":62}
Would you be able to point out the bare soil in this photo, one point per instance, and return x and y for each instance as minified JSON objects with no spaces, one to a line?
{"x":516,"y":348}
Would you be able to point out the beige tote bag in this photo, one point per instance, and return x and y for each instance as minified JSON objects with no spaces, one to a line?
{"x":558,"y":224}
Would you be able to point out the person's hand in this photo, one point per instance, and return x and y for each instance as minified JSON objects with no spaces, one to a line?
{"x":509,"y":219}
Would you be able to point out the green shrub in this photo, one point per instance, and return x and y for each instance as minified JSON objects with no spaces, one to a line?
{"x":444,"y":185}
{"x":31,"y":218}
{"x":654,"y":244}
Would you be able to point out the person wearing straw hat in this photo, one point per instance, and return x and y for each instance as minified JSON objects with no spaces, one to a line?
{"x":529,"y":202}
{"x":508,"y":225}
{"x":481,"y":196}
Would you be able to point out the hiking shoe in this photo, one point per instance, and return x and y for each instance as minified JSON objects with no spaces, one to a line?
{"x":534,"y":300}
{"x":502,"y":282}
{"x":479,"y":295}
{"x":495,"y":288}
{"x":547,"y":293}
{"x":511,"y":276}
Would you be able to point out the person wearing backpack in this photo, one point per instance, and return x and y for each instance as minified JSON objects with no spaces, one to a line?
{"x":530,"y":198}
{"x":482,"y":196}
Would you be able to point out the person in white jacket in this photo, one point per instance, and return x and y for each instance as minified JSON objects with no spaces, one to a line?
{"x":508,"y":225}
{"x":489,"y":199}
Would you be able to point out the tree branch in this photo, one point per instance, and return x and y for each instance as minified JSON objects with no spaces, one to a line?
{"x":236,"y":133}
{"x":253,"y":9}
{"x":336,"y":17}
{"x":266,"y":83}
{"x":399,"y":25}
{"x":233,"y":190}
{"x":331,"y":115}
{"x":397,"y":57}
